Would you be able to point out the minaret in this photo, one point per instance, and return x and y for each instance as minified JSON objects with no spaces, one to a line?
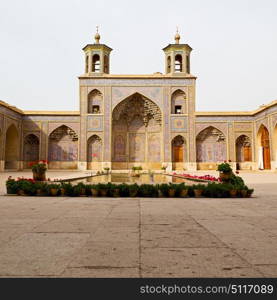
{"x":97,"y":57}
{"x":177,"y":57}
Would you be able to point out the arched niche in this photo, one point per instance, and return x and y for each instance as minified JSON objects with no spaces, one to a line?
{"x":211,"y":146}
{"x":264,"y":155}
{"x":136,"y":133}
{"x":95,"y":102}
{"x":63,"y":148}
{"x":30,"y":149}
{"x":243,"y":149}
{"x":94,"y":152}
{"x":178,"y":152}
{"x":12,"y":148}
{"x":178,"y":102}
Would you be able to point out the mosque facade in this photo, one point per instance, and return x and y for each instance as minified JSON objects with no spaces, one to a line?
{"x":138,"y":120}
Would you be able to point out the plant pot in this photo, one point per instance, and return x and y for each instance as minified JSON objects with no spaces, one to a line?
{"x":171,"y":193}
{"x":198,"y":193}
{"x":21,"y":193}
{"x":116,"y":193}
{"x":94,"y":192}
{"x":225,"y":176}
{"x":103,"y":192}
{"x":39,"y":176}
{"x":249,"y":193}
{"x":62,"y":192}
{"x":83,"y":192}
{"x":133,"y":194}
{"x":244,"y":193}
{"x":53,"y":192}
{"x":233,"y":193}
{"x":184,"y":193}
{"x":39,"y":192}
{"x":160,"y":194}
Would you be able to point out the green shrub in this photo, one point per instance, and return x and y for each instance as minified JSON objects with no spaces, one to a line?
{"x":133,"y":189}
{"x":224,"y":167}
{"x":148,"y":190}
{"x":124,"y":190}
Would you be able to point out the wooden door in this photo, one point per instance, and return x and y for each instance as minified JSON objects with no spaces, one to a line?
{"x":266,"y":148}
{"x":178,"y":154}
{"x":246,"y":153}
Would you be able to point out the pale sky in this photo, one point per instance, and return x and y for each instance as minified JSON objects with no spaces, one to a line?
{"x":234,"y":42}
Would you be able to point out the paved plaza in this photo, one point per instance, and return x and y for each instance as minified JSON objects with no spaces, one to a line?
{"x":140,"y":237}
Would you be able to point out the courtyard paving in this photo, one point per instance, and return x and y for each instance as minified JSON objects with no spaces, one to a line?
{"x":140,"y":237}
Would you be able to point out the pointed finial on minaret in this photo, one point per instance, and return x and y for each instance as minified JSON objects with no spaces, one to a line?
{"x":97,"y":35}
{"x":177,"y":36}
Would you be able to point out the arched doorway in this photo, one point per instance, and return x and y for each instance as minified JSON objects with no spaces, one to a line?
{"x":63,"y":148}
{"x":243,"y":150}
{"x":178,"y":153}
{"x":264,"y":149}
{"x":210,"y":148}
{"x":94,"y":153}
{"x":30,"y":150}
{"x":12,"y":148}
{"x":136,"y":133}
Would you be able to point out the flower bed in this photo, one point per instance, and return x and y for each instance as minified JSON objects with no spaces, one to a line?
{"x":30,"y":187}
{"x":198,"y":178}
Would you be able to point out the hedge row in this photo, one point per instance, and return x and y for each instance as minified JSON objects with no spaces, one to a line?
{"x":213,"y":190}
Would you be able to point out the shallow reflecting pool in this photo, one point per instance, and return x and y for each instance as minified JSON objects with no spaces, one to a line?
{"x":127,"y":178}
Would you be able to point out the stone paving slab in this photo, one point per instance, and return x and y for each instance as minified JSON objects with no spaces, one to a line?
{"x":39,"y":253}
{"x":195,"y":262}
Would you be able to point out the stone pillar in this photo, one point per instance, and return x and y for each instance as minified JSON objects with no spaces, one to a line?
{"x":191,"y":128}
{"x":231,"y":155}
{"x":3,"y":145}
{"x":166,"y":128}
{"x":107,"y":127}
{"x":43,"y":143}
{"x":2,"y":148}
{"x":21,"y":142}
{"x":82,"y":161}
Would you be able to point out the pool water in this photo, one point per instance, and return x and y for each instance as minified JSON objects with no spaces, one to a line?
{"x":127,"y":178}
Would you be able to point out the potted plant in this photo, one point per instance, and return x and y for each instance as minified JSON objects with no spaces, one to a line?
{"x":164,"y":168}
{"x":39,"y":170}
{"x":81,"y":189}
{"x":103,"y":189}
{"x":172,"y":189}
{"x":124,"y":190}
{"x":107,"y":170}
{"x":133,"y":190}
{"x":183,"y":190}
{"x":233,"y":191}
{"x":249,"y":192}
{"x":53,"y":189}
{"x":225,"y":171}
{"x":11,"y":185}
{"x":114,"y":190}
{"x":163,"y":190}
{"x":41,"y":189}
{"x":24,"y":187}
{"x":244,"y":192}
{"x":147,"y":190}
{"x":136,"y":171}
{"x":198,"y":190}
{"x":94,"y":190}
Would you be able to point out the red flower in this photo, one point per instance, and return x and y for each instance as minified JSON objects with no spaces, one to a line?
{"x":237,"y":172}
